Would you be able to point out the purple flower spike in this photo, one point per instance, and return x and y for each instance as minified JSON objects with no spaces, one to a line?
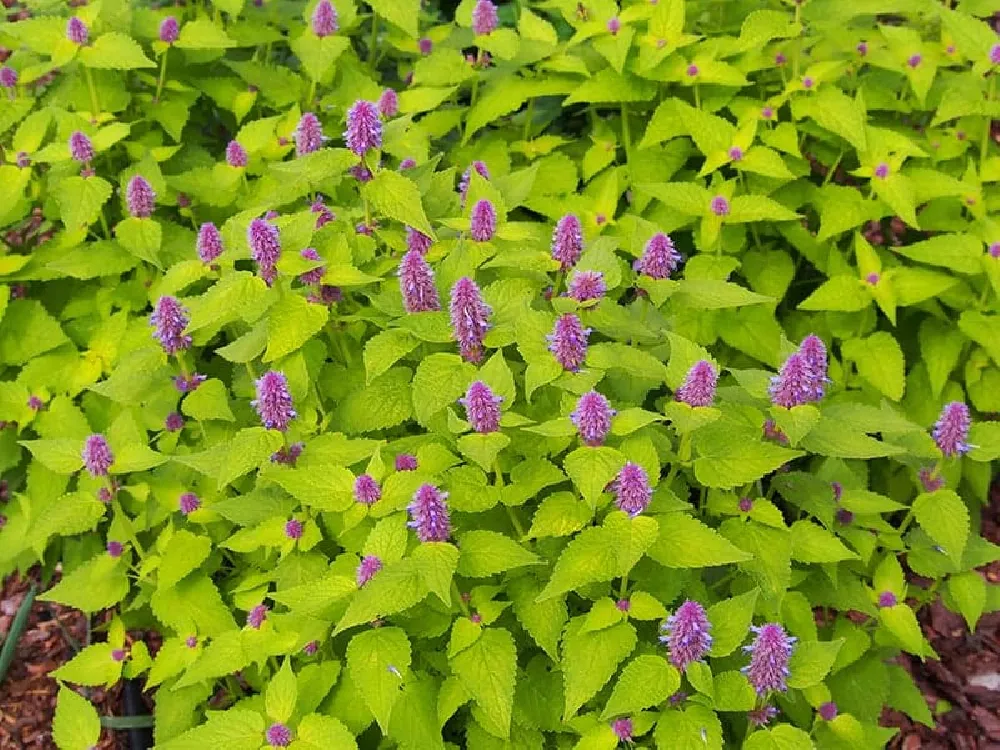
{"x":311,"y":648}
{"x":745,"y":505}
{"x":698,"y":388}
{"x":406,"y":462}
{"x":482,"y":407}
{"x":719,"y":206}
{"x":794,"y":384}
{"x":370,"y":565}
{"x":407,"y":163}
{"x":325,"y":215}
{"x":463,"y":184}
{"x":174,"y":422}
{"x":308,"y":135}
{"x":887,"y":599}
{"x":692,"y":70}
{"x":429,"y":514}
{"x":568,"y":342}
{"x":118,"y":654}
{"x":659,"y":259}
{"x":140,"y":197}
{"x":484,"y":18}
{"x":736,"y":153}
{"x":115,"y":549}
{"x":169,"y":30}
{"x":567,"y":241}
{"x":808,"y":82}
{"x":767,"y":113}
{"x":586,"y":286}
{"x":80,"y":148}
{"x":469,"y":319}
{"x":592,"y":418}
{"x":8,"y":77}
{"x":882,"y":170}
{"x":324,"y":19}
{"x":293,"y":528}
{"x":952,"y":429}
{"x":828,"y":711}
{"x":364,"y":128}
{"x":994,"y":250}
{"x":862,"y":48}
{"x":416,"y":282}
{"x":288,"y":456}
{"x":483,"y":221}
{"x":209,"y":242}
{"x":995,"y":54}
{"x":97,"y":455}
{"x":316,"y":275}
{"x":236,"y":155}
{"x":914,"y":60}
{"x":426,"y":46}
{"x":278,"y":735}
{"x":169,"y":319}
{"x":265,"y":248}
{"x":188,"y":503}
{"x":761,"y":717}
{"x":622,"y":729}
{"x":687,"y":634}
{"x":366,"y":490}
{"x":769,"y":655}
{"x":274,"y":401}
{"x":388,"y":103}
{"x":929,"y":480}
{"x":813,"y":351}
{"x":632,"y":490}
{"x":614,"y":26}
{"x":257,"y":616}
{"x":76,"y":31}
{"x":418,"y":241}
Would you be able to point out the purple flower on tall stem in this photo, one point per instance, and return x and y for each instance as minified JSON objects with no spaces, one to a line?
{"x":426,"y":46}
{"x":293,"y":529}
{"x":80,"y":147}
{"x":659,"y":258}
{"x":388,"y":103}
{"x":469,"y":319}
{"x":828,"y":711}
{"x":209,"y":242}
{"x":76,"y":31}
{"x":315,"y":275}
{"x":463,"y":184}
{"x":8,"y":77}
{"x":265,"y":248}
{"x":308,"y":134}
{"x":614,"y":25}
{"x":585,"y":286}
{"x":364,"y":128}
{"x":406,"y":462}
{"x":418,"y":241}
{"x":366,"y":490}
{"x":484,"y":18}
{"x":257,"y":616}
{"x":97,"y":455}
{"x":407,"y":163}
{"x":274,"y":401}
{"x":592,"y":418}
{"x":793,"y":385}
{"x":483,"y":221}
{"x":416,"y":282}
{"x":169,"y":319}
{"x":140,"y":197}
{"x":429,"y":514}
{"x":719,"y":206}
{"x":169,"y":30}
{"x":324,"y":19}
{"x":115,"y":548}
{"x":236,"y":155}
{"x":370,"y":565}
{"x":914,"y":60}
{"x":769,"y":654}
{"x":568,"y":342}
{"x":482,"y":407}
{"x":188,"y":503}
{"x":278,"y":735}
{"x":688,"y":637}
{"x":623,"y":730}
{"x":813,"y":351}
{"x":174,"y":422}
{"x":698,"y":388}
{"x":887,"y":599}
{"x":882,"y":170}
{"x":632,"y":490}
{"x":951,"y":431}
{"x":567,"y":241}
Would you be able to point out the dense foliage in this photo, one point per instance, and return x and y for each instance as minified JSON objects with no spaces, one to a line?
{"x":489,"y":379}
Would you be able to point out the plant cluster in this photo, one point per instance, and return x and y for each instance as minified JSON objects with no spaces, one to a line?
{"x":562,"y":374}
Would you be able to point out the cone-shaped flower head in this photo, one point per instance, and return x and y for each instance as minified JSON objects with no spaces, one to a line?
{"x":484,"y":17}
{"x":813,"y":351}
{"x":324,"y":19}
{"x":793,"y":385}
{"x":623,"y":729}
{"x":568,"y":342}
{"x":257,"y":616}
{"x":425,"y":45}
{"x":952,"y":429}
{"x":169,"y":30}
{"x":209,"y":242}
{"x":688,"y":634}
{"x":483,"y":221}
{"x":463,"y":184}
{"x":308,"y":134}
{"x":274,"y":401}
{"x":265,"y":248}
{"x":370,"y":565}
{"x":236,"y":155}
{"x":76,"y":31}
{"x":97,"y":455}
{"x":388,"y":103}
{"x":293,"y":528}
{"x":188,"y":503}
{"x":828,"y":711}
{"x":316,"y":275}
{"x":366,"y":490}
{"x":169,"y":319}
{"x":278,"y":735}
{"x":769,"y":654}
{"x":140,"y":197}
{"x":406,"y":462}
{"x":417,"y":240}
{"x":115,"y":549}
{"x":407,"y":163}
{"x":174,"y":422}
{"x":887,"y":599}
{"x":719,"y":206}
{"x":482,"y":407}
{"x":567,"y":241}
{"x":364,"y":128}
{"x":80,"y":147}
{"x":8,"y":77}
{"x":416,"y":282}
{"x":469,"y":319}
{"x":632,"y":490}
{"x":659,"y":258}
{"x":592,"y":418}
{"x":429,"y":514}
{"x":698,"y":388}
{"x":586,"y":286}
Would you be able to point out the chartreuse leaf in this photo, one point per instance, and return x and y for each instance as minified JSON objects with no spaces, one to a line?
{"x":685,"y":542}
{"x":880,"y":361}
{"x":645,"y":681}
{"x":235,"y":729}
{"x":731,"y":620}
{"x":76,"y":725}
{"x":281,"y":693}
{"x":184,"y":553}
{"x":781,"y":737}
{"x":397,"y":586}
{"x":93,"y":586}
{"x":94,"y":665}
{"x":116,"y":51}
{"x":485,"y":553}
{"x":316,"y":732}
{"x":379,"y":660}
{"x":487,"y":670}
{"x":811,"y":662}
{"x":693,"y":728}
{"x":398,"y":197}
{"x":249,"y":449}
{"x":590,"y":659}
{"x":945,"y":519}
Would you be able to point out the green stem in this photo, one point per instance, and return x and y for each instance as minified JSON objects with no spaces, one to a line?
{"x":623,"y":587}
{"x":475,"y":90}
{"x":984,"y":146}
{"x":163,"y":74}
{"x":373,"y":43}
{"x":129,"y":528}
{"x":94,"y":103}
{"x":312,"y":94}
{"x":697,"y":96}
{"x":104,"y":225}
{"x":528,"y":118}
{"x":514,"y":521}
{"x":798,"y":41}
{"x":626,"y":134}
{"x":458,"y":597}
